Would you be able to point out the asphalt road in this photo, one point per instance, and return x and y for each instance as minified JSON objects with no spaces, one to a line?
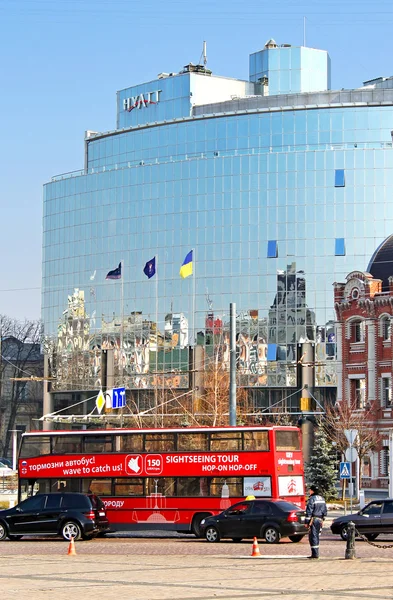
{"x":159,"y":543}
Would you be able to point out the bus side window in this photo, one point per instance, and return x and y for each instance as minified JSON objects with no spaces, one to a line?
{"x":132,"y":442}
{"x":100,"y":487}
{"x":256,"y":440}
{"x":164,"y":442}
{"x":66,"y":444}
{"x":192,"y":442}
{"x":190,"y":486}
{"x":226,"y":441}
{"x":164,"y":486}
{"x":235,"y":486}
{"x":132,"y":486}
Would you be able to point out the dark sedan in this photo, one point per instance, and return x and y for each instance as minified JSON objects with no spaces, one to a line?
{"x":70,"y":515}
{"x":267,"y":519}
{"x":373,"y":519}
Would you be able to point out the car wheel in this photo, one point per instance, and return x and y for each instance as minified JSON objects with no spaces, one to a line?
{"x":271,"y":535}
{"x":236,"y":540}
{"x":371,"y":536}
{"x":296,"y":538}
{"x":212,"y":535}
{"x":15,"y":538}
{"x":3,"y":531}
{"x":344,"y":532}
{"x":71,"y":529}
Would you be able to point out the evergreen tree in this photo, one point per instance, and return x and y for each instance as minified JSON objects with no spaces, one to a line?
{"x":321,"y":470}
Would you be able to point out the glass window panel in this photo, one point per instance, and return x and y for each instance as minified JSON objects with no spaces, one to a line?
{"x":133,"y":486}
{"x":162,"y":485}
{"x":98,"y":443}
{"x":164,"y":442}
{"x":66,"y":444}
{"x":339,"y":247}
{"x":272,"y":352}
{"x":130,"y":443}
{"x":287,"y":440}
{"x":256,"y":440}
{"x":339,"y":178}
{"x":226,"y":486}
{"x":34,"y":446}
{"x":226,"y":441}
{"x":272,"y":249}
{"x":192,"y":486}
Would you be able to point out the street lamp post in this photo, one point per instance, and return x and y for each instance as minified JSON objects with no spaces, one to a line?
{"x":14,"y":446}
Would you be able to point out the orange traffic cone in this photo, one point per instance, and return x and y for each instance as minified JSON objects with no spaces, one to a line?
{"x":71,"y":548}
{"x":255,"y":548}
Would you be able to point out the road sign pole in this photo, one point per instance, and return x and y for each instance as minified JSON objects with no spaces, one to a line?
{"x":351,"y":485}
{"x":391,"y":463}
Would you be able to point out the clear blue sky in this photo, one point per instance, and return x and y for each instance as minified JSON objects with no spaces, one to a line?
{"x":62,"y":62}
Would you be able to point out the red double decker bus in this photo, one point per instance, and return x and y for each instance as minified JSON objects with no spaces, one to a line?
{"x":167,"y":479}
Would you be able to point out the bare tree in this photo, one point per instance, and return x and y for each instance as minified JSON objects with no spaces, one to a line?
{"x":342,"y":417}
{"x":20,"y":357}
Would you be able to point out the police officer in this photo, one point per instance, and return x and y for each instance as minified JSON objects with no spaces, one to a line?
{"x":316,"y":512}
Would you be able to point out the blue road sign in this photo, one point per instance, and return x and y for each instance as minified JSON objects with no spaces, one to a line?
{"x":345,"y":470}
{"x":118,"y":397}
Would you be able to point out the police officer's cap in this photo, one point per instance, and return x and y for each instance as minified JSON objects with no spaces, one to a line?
{"x":314,"y":489}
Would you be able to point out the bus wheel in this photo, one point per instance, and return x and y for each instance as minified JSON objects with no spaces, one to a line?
{"x":212,"y":534}
{"x":196,"y":523}
{"x":69,"y":530}
{"x":271,"y":535}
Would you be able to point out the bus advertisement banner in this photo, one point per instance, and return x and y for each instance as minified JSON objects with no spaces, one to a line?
{"x":147,"y":465}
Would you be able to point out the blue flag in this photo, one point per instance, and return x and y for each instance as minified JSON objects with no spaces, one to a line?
{"x":115,"y":274}
{"x":150,"y":268}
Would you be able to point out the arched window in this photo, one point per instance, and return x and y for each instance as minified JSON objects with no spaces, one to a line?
{"x":358,"y":331}
{"x":385,"y":327}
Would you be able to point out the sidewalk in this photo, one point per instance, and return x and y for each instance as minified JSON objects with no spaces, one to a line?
{"x":157,"y":577}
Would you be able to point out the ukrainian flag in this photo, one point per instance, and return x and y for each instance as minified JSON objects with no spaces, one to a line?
{"x":186,"y":268}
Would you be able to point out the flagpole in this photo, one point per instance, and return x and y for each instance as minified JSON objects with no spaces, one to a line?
{"x":156,"y":376}
{"x":193,"y":328}
{"x":193,"y":296}
{"x":122,"y":320}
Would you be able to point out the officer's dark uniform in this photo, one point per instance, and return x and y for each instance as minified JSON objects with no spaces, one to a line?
{"x":316,"y":512}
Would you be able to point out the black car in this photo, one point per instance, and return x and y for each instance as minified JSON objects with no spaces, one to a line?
{"x":70,"y":515}
{"x":375,"y":518}
{"x":267,"y":519}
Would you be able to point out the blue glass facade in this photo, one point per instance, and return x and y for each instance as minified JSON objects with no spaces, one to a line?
{"x":247,"y":181}
{"x":290,"y":69}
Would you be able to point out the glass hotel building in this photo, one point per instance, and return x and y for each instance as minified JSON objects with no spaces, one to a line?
{"x":280,"y":187}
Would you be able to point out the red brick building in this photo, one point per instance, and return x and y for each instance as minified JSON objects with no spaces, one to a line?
{"x":364,"y":312}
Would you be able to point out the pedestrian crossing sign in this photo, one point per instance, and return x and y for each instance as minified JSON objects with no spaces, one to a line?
{"x":345,"y":470}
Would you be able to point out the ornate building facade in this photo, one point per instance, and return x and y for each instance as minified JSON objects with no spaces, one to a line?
{"x":364,"y":310}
